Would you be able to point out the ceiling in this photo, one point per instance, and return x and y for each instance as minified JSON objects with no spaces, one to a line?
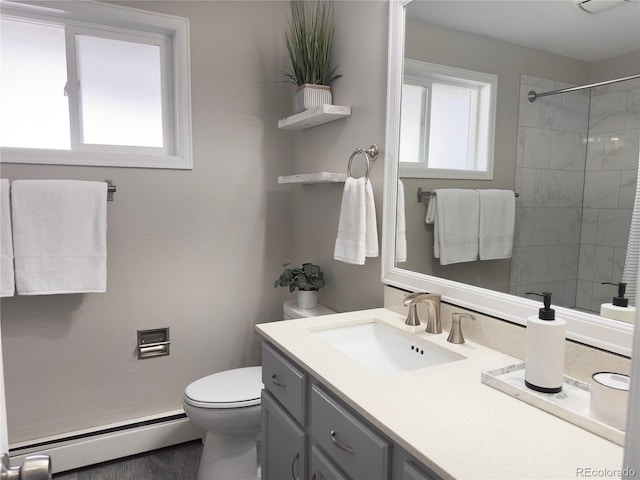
{"x":555,"y":26}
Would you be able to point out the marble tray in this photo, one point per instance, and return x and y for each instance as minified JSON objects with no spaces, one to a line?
{"x":571,"y":404}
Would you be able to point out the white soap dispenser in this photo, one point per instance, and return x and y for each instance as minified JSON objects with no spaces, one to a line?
{"x":619,"y":308}
{"x":544,"y":360}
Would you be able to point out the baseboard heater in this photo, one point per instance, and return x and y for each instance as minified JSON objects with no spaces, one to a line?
{"x":109,"y":442}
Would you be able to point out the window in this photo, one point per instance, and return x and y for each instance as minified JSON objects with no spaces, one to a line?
{"x":446,"y":122}
{"x":94,"y":84}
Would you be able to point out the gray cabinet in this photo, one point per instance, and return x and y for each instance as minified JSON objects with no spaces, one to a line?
{"x":284,"y":443}
{"x":359,"y":451}
{"x":322,"y":468}
{"x":309,"y":434}
{"x":412,"y":472}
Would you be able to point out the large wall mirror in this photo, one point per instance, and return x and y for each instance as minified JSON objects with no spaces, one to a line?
{"x":572,"y":158}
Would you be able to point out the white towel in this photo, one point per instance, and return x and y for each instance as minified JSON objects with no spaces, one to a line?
{"x":7,"y":283}
{"x":497,"y":223}
{"x":357,"y":229}
{"x":401,"y":226}
{"x":455,"y":214}
{"x":59,"y":233}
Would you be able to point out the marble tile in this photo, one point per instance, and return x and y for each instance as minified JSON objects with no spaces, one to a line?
{"x":552,"y":113}
{"x":601,"y":189}
{"x":584,"y":293}
{"x":595,"y":151}
{"x":589,"y":230}
{"x":628,"y":184}
{"x":608,"y":112}
{"x":565,"y":266}
{"x":532,"y":226}
{"x":558,"y":188}
{"x":595,"y":263}
{"x":577,"y":112}
{"x":633,"y":109}
{"x":536,"y":148}
{"x":619,"y":256}
{"x":528,"y":181}
{"x":621,"y":150}
{"x":567,"y":151}
{"x":613,"y":227}
{"x":562,"y":225}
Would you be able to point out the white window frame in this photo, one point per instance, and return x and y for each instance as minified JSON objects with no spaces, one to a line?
{"x":482,"y":121}
{"x":169,"y":32}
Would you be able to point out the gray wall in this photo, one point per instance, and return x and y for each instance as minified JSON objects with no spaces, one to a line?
{"x":197,"y":251}
{"x":361,"y":53}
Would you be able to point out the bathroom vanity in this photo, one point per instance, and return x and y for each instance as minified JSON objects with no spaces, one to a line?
{"x":330,"y":411}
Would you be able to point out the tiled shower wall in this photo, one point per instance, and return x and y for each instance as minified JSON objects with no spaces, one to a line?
{"x":609,"y":191}
{"x":576,"y":174}
{"x":550,"y":166}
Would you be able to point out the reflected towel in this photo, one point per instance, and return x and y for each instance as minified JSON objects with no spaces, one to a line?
{"x":7,"y":283}
{"x":60,"y":242}
{"x":497,"y":223}
{"x":357,"y":229}
{"x":455,"y":214}
{"x":401,"y":226}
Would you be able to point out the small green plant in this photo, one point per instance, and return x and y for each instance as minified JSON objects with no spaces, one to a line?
{"x":308,"y":277}
{"x":309,"y":41}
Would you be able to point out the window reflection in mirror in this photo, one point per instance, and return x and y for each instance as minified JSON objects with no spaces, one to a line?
{"x":447,"y":122}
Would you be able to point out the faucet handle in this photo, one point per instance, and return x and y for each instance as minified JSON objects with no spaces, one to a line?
{"x":455,"y":335}
{"x":412,"y":316}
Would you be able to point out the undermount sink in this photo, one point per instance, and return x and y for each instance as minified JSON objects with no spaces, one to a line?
{"x":385,"y":349}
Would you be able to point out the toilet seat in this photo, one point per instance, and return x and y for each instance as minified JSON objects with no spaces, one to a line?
{"x":240,"y":387}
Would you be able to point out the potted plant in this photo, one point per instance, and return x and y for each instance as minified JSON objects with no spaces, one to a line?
{"x":309,"y":41}
{"x":307,"y":279}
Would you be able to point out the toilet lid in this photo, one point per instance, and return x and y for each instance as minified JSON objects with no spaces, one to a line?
{"x":240,"y":387}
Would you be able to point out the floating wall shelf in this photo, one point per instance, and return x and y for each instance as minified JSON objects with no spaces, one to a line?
{"x":319,"y":177}
{"x":314,"y":116}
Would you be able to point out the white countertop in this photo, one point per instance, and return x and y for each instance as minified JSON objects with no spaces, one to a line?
{"x":444,"y":415}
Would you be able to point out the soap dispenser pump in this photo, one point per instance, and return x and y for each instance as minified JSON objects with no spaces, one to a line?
{"x":544,"y":359}
{"x":619,"y":308}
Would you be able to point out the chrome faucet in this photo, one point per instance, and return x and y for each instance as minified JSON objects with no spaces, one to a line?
{"x":433,"y":301}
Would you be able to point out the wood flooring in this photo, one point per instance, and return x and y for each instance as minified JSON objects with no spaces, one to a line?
{"x":179,"y":462}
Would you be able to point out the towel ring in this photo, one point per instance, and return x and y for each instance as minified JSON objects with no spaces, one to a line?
{"x":370,"y":153}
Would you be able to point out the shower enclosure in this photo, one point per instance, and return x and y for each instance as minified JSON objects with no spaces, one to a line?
{"x":576,"y":171}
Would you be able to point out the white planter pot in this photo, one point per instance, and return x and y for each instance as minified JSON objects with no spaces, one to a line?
{"x":309,"y":96}
{"x":307,"y":299}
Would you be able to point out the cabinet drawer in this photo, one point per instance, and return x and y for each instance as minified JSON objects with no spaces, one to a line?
{"x":411,"y":472}
{"x":359,"y":451}
{"x":322,"y":468}
{"x":284,"y":381}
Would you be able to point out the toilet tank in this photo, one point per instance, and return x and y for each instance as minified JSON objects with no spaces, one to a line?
{"x":291,"y":310}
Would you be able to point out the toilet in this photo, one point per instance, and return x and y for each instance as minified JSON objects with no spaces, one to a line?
{"x":227,"y":406}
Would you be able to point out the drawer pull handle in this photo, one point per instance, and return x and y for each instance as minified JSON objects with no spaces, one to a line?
{"x":293,"y":466}
{"x":274,"y":379}
{"x":340,"y":445}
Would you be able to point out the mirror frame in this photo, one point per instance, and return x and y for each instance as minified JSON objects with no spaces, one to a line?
{"x":589,"y":329}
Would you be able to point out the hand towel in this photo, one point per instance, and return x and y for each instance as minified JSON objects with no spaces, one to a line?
{"x":455,"y":213}
{"x":401,"y":226}
{"x":357,"y":229}
{"x":59,"y":233}
{"x":497,"y":223}
{"x":7,"y":283}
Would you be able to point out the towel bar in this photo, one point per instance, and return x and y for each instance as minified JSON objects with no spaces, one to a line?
{"x":111,"y":189}
{"x":429,"y":193}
